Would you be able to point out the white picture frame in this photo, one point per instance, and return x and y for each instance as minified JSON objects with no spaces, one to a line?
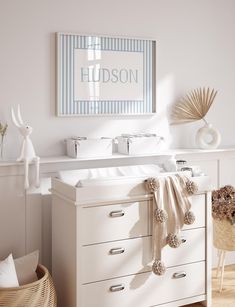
{"x":102,"y":75}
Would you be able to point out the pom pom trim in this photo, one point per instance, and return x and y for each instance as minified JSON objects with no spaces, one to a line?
{"x":158,"y":267}
{"x":173,"y":240}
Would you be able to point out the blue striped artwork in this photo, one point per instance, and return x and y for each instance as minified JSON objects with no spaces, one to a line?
{"x":71,"y":101}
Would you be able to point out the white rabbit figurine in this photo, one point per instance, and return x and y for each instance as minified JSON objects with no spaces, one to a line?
{"x":27,"y":150}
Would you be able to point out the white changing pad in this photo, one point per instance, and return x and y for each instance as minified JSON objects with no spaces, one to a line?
{"x":130,"y":171}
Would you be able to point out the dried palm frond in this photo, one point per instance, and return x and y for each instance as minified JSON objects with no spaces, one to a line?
{"x":194,"y":106}
{"x":3,"y":129}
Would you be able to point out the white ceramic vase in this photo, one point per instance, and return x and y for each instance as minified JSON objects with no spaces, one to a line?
{"x":208,"y":137}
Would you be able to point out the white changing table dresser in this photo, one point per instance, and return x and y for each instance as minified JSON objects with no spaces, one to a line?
{"x":101,"y":247}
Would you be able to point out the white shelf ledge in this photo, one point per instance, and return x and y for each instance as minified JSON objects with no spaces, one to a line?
{"x":115,"y":156}
{"x":65,"y":159}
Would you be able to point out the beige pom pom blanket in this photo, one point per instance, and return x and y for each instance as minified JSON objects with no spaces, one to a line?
{"x":171,"y":199}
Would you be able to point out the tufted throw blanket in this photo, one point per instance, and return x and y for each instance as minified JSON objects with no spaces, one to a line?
{"x":171,"y":210}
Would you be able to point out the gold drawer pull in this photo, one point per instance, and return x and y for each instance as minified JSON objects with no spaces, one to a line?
{"x":179,"y":275}
{"x":118,"y":213}
{"x":117,"y":288}
{"x":118,"y":250}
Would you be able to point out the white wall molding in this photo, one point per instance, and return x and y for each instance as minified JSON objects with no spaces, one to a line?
{"x":35,"y":205}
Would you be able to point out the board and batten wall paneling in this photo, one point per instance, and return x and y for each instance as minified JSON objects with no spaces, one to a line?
{"x":12,"y":216}
{"x":25,"y":223}
{"x":227,"y":172}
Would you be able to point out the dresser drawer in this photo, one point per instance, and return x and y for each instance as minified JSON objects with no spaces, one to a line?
{"x":119,"y":258}
{"x":115,"y":222}
{"x":147,"y":289}
{"x":128,"y":220}
{"x":199,"y":209}
{"x":192,"y":248}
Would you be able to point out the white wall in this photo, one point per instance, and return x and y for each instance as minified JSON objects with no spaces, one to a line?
{"x":195,"y":47}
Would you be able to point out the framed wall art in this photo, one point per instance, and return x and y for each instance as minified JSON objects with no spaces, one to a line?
{"x":100,"y":75}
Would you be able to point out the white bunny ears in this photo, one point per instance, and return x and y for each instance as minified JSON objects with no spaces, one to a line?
{"x":18,"y":123}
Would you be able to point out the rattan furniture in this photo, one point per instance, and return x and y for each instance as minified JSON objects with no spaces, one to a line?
{"x":224,"y":241}
{"x":40,"y":293}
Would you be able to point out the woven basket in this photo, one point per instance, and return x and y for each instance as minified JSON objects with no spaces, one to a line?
{"x":223,"y":235}
{"x":40,"y":293}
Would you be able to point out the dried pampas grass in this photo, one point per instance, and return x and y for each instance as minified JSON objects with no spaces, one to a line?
{"x":194,"y":106}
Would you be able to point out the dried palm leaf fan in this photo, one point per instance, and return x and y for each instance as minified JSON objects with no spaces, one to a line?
{"x":194,"y":106}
